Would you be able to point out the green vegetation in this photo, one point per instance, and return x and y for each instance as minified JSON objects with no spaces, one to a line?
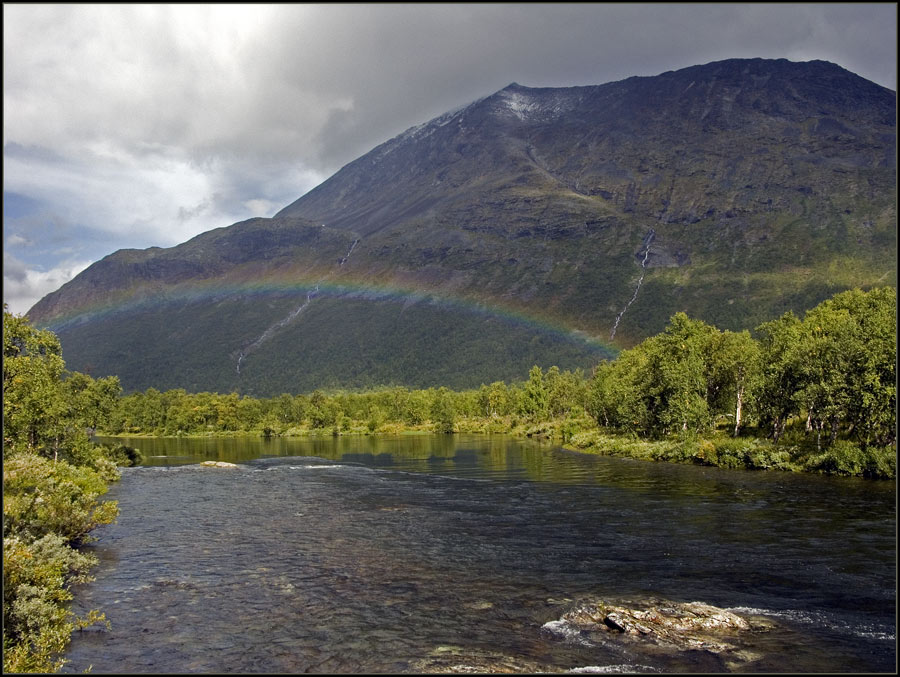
{"x":52,"y":479}
{"x":817,"y":394}
{"x":822,"y":390}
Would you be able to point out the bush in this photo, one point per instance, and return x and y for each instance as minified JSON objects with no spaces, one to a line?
{"x":41,"y":497}
{"x":769,"y":456}
{"x":52,"y":478}
{"x":124,"y":456}
{"x":443,"y":414}
{"x":36,"y":623}
{"x":48,"y":506}
{"x":882,"y":462}
{"x":845,"y":458}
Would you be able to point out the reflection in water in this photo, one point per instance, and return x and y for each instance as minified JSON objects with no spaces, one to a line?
{"x":375,"y":554}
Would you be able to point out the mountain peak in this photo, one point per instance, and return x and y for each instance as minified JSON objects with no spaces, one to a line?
{"x":733,"y":191}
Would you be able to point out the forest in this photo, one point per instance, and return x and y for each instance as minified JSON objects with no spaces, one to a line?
{"x":816,"y":393}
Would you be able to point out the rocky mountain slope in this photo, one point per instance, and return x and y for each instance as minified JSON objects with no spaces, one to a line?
{"x":543,"y":226}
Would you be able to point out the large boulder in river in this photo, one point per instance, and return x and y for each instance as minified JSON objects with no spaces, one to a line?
{"x":650,"y":635}
{"x":656,"y":626}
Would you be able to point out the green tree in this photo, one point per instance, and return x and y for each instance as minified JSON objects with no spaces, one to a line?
{"x":226,"y":412}
{"x":675,"y":376}
{"x":566,"y":391}
{"x":846,"y":357}
{"x":34,"y":408}
{"x":494,"y":400}
{"x":153,"y":411}
{"x":780,"y":373}
{"x":681,"y":380}
{"x":323,"y":411}
{"x":836,"y":369}
{"x":733,"y":369}
{"x":872,"y":410}
{"x":535,"y":400}
{"x":443,"y":413}
{"x":618,"y":395}
{"x":376,"y":417}
{"x":249,"y":413}
{"x":92,"y":400}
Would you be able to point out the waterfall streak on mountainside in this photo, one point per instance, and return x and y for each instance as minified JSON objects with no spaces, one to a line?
{"x":275,"y":327}
{"x":648,"y":239}
{"x":347,"y":255}
{"x":267,"y":334}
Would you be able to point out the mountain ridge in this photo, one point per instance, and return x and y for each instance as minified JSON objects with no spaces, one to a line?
{"x":733,"y":191}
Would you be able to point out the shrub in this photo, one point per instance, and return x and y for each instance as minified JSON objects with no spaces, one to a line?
{"x":882,"y":462}
{"x":41,"y":496}
{"x":124,"y":456}
{"x":36,"y":623}
{"x":845,"y":458}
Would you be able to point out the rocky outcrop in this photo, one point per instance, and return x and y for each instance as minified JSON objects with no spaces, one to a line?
{"x":649,"y":635}
{"x":656,"y":627}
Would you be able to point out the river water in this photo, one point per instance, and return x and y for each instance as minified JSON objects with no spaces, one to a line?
{"x":408,"y":553}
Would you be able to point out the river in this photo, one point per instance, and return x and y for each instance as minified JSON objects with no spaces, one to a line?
{"x":408,"y":553}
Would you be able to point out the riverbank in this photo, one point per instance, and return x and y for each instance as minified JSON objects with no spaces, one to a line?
{"x":579,"y":435}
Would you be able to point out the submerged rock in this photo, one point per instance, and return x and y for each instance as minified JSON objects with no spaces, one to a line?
{"x":460,"y":660}
{"x":219,"y":464}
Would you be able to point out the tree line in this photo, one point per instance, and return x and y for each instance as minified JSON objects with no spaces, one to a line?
{"x":174,"y":412}
{"x":834,"y":371}
{"x":822,"y":384}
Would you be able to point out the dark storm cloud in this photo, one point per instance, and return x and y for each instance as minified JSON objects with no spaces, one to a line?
{"x":399,"y":65}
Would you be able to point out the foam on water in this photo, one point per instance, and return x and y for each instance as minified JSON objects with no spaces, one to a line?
{"x":565,"y":630}
{"x":621,"y":669}
{"x":820,"y":619}
{"x":320,"y":466}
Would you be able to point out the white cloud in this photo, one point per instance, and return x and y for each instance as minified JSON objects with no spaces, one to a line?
{"x":158,"y":198}
{"x":24,"y":286}
{"x":16,"y":240}
{"x":262,"y":207}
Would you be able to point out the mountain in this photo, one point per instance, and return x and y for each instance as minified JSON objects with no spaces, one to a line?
{"x":534,"y":226}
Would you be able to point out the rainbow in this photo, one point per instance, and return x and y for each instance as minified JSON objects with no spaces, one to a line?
{"x":219,"y":289}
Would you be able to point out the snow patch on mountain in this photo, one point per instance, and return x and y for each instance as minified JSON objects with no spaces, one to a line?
{"x":537,"y":105}
{"x":521,"y":106}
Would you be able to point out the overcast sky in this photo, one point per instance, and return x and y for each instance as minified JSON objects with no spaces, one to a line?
{"x":144,"y":125}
